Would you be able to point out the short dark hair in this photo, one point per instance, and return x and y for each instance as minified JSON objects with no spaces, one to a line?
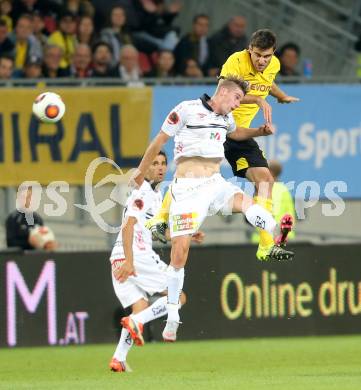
{"x":7,"y":57}
{"x":199,"y":16}
{"x":263,"y":39}
{"x":230,"y":80}
{"x":162,"y":153}
{"x":289,"y":46}
{"x":3,"y":23}
{"x":102,"y":43}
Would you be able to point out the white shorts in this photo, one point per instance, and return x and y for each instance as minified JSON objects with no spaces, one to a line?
{"x":150,"y":279}
{"x":194,"y":199}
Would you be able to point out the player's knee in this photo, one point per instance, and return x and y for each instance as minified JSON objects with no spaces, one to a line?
{"x":183,"y":298}
{"x":179,"y":254}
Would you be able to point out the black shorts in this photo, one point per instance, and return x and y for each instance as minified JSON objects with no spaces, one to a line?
{"x":242,"y":155}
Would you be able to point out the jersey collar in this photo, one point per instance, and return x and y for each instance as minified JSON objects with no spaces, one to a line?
{"x":204,"y":99}
{"x":153,"y":185}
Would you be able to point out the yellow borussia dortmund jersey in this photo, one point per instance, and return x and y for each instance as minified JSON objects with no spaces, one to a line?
{"x":240,"y":64}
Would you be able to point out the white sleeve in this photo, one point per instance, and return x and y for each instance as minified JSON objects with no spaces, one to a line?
{"x":175,"y":120}
{"x":138,"y":203}
{"x":231,"y":124}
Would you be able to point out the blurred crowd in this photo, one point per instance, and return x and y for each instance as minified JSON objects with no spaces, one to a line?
{"x":126,"y":39}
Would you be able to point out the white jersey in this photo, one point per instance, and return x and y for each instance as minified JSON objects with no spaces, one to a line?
{"x":142,"y":204}
{"x":198,"y":131}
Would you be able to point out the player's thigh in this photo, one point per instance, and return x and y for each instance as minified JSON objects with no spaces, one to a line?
{"x":241,"y":202}
{"x":263,"y":180}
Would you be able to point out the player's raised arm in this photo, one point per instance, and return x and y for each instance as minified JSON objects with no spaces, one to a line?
{"x":243,"y":133}
{"x":149,"y":155}
{"x":281,"y":96}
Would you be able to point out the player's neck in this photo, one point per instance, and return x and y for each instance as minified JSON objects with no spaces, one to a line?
{"x":213,"y":103}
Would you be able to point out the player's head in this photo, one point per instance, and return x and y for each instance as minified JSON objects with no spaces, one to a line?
{"x":261,"y":48}
{"x":229,"y":93}
{"x":157,"y":169}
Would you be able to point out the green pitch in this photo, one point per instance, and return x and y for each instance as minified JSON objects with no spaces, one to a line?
{"x":277,"y":363}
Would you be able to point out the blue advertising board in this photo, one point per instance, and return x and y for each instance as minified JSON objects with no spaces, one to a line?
{"x":318,"y":140}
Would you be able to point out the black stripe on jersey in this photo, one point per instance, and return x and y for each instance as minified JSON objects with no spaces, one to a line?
{"x":211,"y":126}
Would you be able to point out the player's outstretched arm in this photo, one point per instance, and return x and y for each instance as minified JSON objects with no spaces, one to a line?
{"x":243,"y":133}
{"x":149,"y":155}
{"x":281,"y":96}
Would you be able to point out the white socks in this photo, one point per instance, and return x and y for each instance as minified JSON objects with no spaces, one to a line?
{"x":156,"y":310}
{"x":261,"y":218}
{"x":175,"y":280}
{"x":124,"y":345}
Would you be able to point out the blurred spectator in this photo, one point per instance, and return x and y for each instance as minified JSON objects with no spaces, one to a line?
{"x":164,"y":66}
{"x":281,"y":198}
{"x":102,"y":60}
{"x":157,"y":32}
{"x":6,"y":7}
{"x":194,"y":44}
{"x":86,"y":33}
{"x":26,"y":45}
{"x":6,"y":67}
{"x":289,"y":56}
{"x":80,"y":8}
{"x":229,"y":39}
{"x":128,"y":68}
{"x":51,"y":63}
{"x":22,"y":227}
{"x":117,"y":34}
{"x":81,"y":64}
{"x":39,"y":28}
{"x":191,"y":68}
{"x":65,"y":37}
{"x":33,"y":68}
{"x":6,"y":45}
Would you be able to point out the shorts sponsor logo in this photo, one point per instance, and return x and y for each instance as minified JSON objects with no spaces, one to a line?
{"x":182,"y":222}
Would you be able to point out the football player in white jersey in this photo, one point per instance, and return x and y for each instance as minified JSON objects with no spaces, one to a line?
{"x":133,"y":248}
{"x":200,"y":128}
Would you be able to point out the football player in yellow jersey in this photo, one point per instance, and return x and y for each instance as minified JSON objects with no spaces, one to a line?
{"x":259,"y":67}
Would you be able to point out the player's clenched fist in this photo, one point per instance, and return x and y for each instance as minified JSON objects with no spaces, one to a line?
{"x":267,"y":129}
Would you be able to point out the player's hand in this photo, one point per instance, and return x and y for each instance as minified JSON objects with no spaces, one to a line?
{"x":122,"y":270}
{"x":267,"y":129}
{"x":266,"y":108}
{"x":198,"y":237}
{"x":288,"y":99}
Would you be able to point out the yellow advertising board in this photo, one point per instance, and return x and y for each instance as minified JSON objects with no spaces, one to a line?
{"x":98,"y":122}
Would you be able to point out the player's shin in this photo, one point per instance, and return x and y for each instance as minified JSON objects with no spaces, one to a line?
{"x":124,"y":345}
{"x":175,"y":280}
{"x":260,"y":218}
